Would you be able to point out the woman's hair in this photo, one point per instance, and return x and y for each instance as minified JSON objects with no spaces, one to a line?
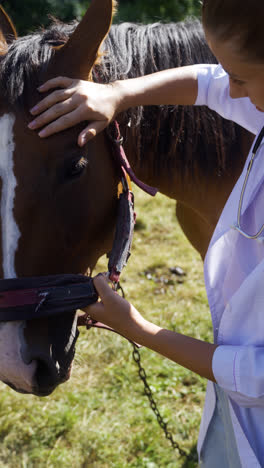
{"x":238,"y":20}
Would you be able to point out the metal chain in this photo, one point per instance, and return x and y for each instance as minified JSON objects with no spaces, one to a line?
{"x":143,"y":376}
{"x":153,"y":405}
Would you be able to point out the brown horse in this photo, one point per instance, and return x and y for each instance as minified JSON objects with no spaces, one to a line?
{"x":59,"y":202}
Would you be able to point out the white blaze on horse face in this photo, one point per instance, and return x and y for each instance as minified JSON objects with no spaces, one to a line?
{"x":12,"y":368}
{"x":10,"y":231}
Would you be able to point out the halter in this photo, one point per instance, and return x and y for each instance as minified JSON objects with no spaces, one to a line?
{"x":126,"y":216}
{"x":44,"y":296}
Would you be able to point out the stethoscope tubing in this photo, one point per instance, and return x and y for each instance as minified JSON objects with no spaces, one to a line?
{"x":250,"y":164}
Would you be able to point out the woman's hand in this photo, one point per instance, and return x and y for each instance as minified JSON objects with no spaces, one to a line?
{"x":115,"y":311}
{"x":75,"y":102}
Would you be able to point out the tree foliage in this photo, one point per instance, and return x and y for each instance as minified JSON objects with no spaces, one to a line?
{"x":157,"y":10}
{"x":31,"y":14}
{"x":28,"y":15}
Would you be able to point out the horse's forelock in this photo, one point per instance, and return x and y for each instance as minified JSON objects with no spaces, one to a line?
{"x":27,"y":58}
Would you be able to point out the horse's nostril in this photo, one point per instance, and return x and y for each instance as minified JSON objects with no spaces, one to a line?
{"x":50,"y":344}
{"x":46,"y":377}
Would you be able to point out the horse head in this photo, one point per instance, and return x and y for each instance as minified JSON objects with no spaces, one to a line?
{"x":58,"y":201}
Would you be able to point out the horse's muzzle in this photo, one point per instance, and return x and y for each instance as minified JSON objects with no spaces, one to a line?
{"x":50,"y":343}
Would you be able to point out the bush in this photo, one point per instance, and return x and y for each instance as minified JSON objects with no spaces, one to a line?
{"x":155,"y":10}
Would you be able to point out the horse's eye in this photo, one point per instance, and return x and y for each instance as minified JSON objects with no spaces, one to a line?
{"x":77,"y":167}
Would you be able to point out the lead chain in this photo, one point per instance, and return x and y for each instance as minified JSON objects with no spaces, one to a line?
{"x":143,"y":376}
{"x":153,"y":405}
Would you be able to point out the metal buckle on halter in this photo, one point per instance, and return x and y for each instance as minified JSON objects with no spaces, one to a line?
{"x":43,"y":295}
{"x":86,"y":320}
{"x":119,"y":141}
{"x":124,"y":183}
{"x":114,"y":284}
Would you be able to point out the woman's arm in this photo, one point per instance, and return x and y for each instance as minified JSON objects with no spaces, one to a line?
{"x":237,"y":369}
{"x":117,"y":313}
{"x":214,"y":92}
{"x":77,"y":101}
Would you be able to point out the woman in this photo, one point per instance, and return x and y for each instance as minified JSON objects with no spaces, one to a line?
{"x":232,"y":428}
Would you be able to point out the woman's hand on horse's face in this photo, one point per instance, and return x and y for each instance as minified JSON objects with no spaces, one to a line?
{"x":75,"y":101}
{"x":115,"y":311}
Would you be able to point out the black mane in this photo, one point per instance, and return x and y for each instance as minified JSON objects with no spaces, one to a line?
{"x":201,"y":137}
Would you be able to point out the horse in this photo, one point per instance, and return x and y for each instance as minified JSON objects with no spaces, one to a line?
{"x":190,"y":153}
{"x":58,"y":204}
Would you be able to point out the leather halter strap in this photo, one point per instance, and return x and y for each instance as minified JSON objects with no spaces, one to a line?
{"x":126,"y":216}
{"x":120,"y":156}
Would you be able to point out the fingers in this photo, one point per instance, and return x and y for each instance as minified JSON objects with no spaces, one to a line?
{"x":58,"y":82}
{"x":51,"y":99}
{"x":97,"y":310}
{"x":52,"y":114}
{"x":64,"y":122}
{"x":102,"y":286}
{"x":65,"y":108}
{"x":91,"y":131}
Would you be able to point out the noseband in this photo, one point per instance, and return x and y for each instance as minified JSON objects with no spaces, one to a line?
{"x":43,"y":296}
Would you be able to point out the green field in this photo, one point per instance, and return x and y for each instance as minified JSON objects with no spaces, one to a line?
{"x":101,"y":417}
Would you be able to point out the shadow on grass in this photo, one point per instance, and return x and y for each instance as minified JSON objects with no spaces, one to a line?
{"x":193,"y":455}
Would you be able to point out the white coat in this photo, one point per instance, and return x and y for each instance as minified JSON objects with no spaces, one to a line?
{"x":234,"y":279}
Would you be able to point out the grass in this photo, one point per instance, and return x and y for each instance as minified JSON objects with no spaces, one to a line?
{"x":101,"y":417}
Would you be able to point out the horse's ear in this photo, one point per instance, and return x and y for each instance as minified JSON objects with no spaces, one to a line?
{"x":7,"y":31}
{"x":77,"y":57}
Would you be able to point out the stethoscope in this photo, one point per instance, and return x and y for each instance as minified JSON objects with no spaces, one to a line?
{"x":238,"y":225}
